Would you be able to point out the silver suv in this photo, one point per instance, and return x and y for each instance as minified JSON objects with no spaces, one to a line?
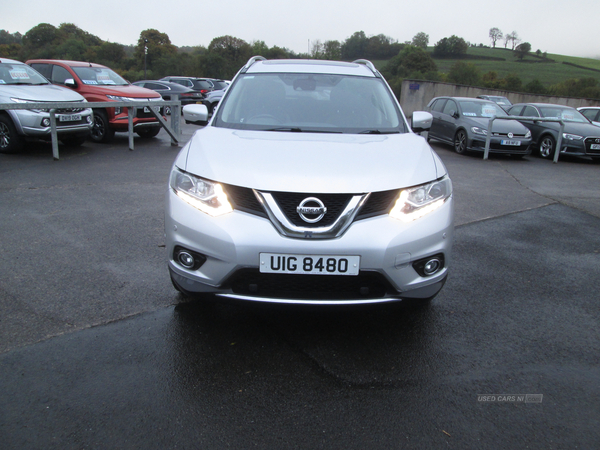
{"x":308,"y":186}
{"x":19,"y":83}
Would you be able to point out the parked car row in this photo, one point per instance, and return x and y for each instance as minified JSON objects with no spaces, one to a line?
{"x":19,"y":83}
{"x":51,"y":80}
{"x":463,"y":122}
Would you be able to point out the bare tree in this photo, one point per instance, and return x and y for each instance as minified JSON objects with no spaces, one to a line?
{"x":495,"y":35}
{"x":513,"y":38}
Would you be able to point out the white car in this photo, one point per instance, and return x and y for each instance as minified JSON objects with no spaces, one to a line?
{"x":308,"y":186}
{"x":592,"y":113}
{"x":19,"y":83}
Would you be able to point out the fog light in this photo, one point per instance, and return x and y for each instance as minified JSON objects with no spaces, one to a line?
{"x":188,"y":259}
{"x":117,"y":110}
{"x":429,"y":266}
{"x":46,"y":122}
{"x":432,"y":266}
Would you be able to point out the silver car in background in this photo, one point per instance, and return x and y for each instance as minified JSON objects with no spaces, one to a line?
{"x":19,"y":83}
{"x":308,"y":186}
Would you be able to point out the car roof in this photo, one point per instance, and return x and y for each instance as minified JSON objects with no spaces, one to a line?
{"x":589,"y":107}
{"x":67,"y":62}
{"x":537,"y":105}
{"x":10,"y":61}
{"x":309,"y":66}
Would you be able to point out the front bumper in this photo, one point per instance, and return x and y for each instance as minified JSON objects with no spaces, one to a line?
{"x":496,"y":146}
{"x":232,"y":243}
{"x":29,"y":123}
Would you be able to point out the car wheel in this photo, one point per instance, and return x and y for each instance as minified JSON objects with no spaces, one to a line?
{"x":547,"y":145}
{"x":460,"y":142}
{"x":101,"y":131}
{"x":73,"y":141}
{"x":212,"y":107}
{"x":148,"y":132}
{"x":10,"y":141}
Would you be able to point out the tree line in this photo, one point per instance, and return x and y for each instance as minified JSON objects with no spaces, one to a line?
{"x":154,"y":56}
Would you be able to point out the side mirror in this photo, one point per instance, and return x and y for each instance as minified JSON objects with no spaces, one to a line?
{"x":455,"y":114}
{"x":70,"y":82}
{"x":195,"y":114}
{"x":421,"y":121}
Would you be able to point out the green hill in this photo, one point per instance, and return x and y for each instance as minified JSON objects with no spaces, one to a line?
{"x":550,"y":70}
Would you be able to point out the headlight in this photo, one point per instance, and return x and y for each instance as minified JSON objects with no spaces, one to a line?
{"x":528,"y":134}
{"x":572,"y":137}
{"x":418,"y":201}
{"x":207,"y":196}
{"x":478,"y":130}
{"x":20,"y":100}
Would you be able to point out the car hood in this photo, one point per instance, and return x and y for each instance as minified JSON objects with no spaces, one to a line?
{"x":40,"y":93}
{"x":500,"y":126}
{"x":582,"y":129}
{"x":125,"y":91}
{"x":310,"y":162}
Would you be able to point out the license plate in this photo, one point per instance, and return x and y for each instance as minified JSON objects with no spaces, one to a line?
{"x":505,"y":142}
{"x":69,"y":117}
{"x":595,"y":147}
{"x":309,"y":264}
{"x":155,"y":108}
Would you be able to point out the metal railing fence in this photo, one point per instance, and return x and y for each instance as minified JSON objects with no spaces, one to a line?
{"x":174,"y":129}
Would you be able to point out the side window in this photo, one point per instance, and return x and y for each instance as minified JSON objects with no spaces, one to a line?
{"x":590,"y":113}
{"x":60,"y":74}
{"x":515,"y":110}
{"x":438,"y":106}
{"x":450,"y":107}
{"x":156,"y":86}
{"x":44,"y":69}
{"x":530,"y":111}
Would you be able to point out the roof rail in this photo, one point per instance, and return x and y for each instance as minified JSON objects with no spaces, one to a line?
{"x":369,"y":64}
{"x":252,"y":61}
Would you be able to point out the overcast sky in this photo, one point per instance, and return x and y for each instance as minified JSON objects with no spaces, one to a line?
{"x":568,"y":28}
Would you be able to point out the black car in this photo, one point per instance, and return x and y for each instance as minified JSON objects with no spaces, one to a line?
{"x":202,"y":85}
{"x":168,"y":90}
{"x":463,"y":122}
{"x":580,"y":137}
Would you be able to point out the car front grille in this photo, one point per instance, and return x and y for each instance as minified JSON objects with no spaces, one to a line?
{"x":378,"y":203}
{"x":69,"y":110}
{"x":589,"y":141}
{"x":365,"y":285}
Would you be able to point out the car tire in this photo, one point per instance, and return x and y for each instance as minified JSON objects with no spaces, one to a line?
{"x":460,"y":142}
{"x":10,"y":141}
{"x":147,"y":133}
{"x":73,"y":141}
{"x":547,"y":146}
{"x":101,"y":131}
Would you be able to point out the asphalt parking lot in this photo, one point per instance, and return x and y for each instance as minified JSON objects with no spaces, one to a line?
{"x":97,"y":350}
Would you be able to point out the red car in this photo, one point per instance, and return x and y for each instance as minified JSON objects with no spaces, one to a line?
{"x":98,"y":83}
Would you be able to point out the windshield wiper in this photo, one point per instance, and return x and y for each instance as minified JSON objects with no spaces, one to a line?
{"x":378,"y":132}
{"x":300,"y":130}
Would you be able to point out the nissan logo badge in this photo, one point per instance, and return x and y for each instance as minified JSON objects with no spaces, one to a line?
{"x":311,"y":210}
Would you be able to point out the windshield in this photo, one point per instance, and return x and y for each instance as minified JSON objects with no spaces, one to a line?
{"x":19,"y":74}
{"x":481,"y":109}
{"x":311,"y":103}
{"x":102,"y":76}
{"x":566,"y":114}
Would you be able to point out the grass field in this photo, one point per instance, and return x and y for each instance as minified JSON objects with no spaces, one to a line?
{"x":548,"y":73}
